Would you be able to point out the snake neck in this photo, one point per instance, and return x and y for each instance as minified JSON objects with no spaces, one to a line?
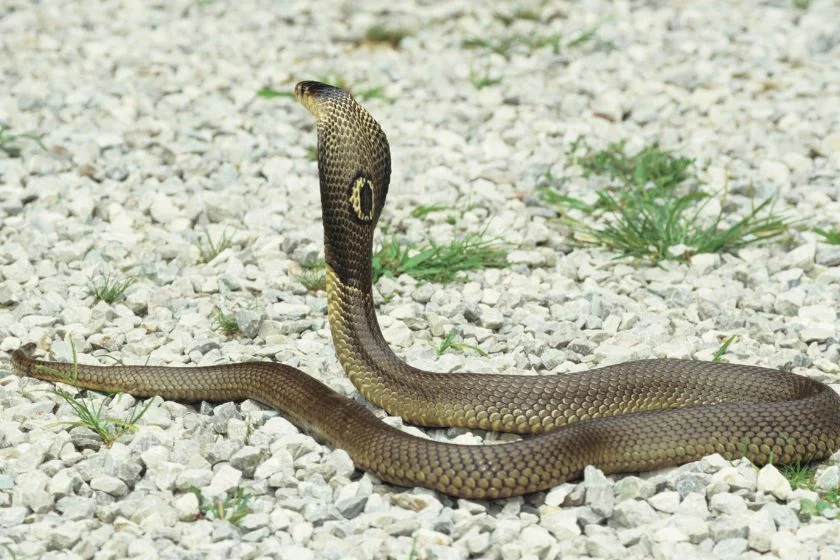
{"x":364,"y":354}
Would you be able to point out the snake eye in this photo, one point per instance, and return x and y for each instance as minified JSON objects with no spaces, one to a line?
{"x":361,"y":198}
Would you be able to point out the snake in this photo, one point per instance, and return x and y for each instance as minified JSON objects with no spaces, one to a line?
{"x":623,"y":418}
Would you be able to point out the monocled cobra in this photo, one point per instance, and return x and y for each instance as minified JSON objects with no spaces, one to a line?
{"x":630,"y":417}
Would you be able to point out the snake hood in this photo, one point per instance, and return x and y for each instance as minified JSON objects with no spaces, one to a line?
{"x":354,"y":177}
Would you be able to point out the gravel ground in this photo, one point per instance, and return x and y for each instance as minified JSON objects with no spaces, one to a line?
{"x":155,"y":138}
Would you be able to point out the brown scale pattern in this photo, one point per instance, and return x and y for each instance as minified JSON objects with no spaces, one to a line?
{"x":629,"y":417}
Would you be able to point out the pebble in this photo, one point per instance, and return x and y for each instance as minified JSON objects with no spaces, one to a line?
{"x":730,"y":504}
{"x":491,"y":318}
{"x":562,"y":523}
{"x":599,"y":492}
{"x":634,"y":513}
{"x":828,"y":478}
{"x":771,"y":481}
{"x":666,"y":502}
{"x":110,"y":485}
{"x":761,"y":529}
{"x":187,"y":506}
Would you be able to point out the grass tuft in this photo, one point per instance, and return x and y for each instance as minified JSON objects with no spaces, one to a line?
{"x":481,"y":81}
{"x":109,"y":288}
{"x":270,"y":93}
{"x":648,"y":213}
{"x":831,"y":237}
{"x":375,"y":92}
{"x":517,"y":14}
{"x":651,"y":165}
{"x":430,"y":262}
{"x":449,"y":342}
{"x":724,"y":347}
{"x":426,"y":209}
{"x":505,"y":45}
{"x":438,"y":263}
{"x":89,"y":413}
{"x":224,"y":323}
{"x":800,"y":475}
{"x":313,"y":277}
{"x":804,"y":476}
{"x":10,"y":141}
{"x":380,"y":34}
{"x":585,"y":38}
{"x":211,"y":249}
{"x":232,"y":508}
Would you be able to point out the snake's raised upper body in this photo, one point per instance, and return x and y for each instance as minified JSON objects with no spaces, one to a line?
{"x":629,"y":417}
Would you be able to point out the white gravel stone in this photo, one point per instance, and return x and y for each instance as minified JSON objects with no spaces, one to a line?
{"x":633,"y":488}
{"x":785,"y":545}
{"x":694,"y":527}
{"x":670,"y":534}
{"x":634,"y":513}
{"x":713,"y":463}
{"x":602,"y":542}
{"x":729,"y":504}
{"x":193,"y":477}
{"x":737,"y":478}
{"x":557,"y":495}
{"x":295,"y":552}
{"x":110,"y":485}
{"x":771,"y":481}
{"x":666,"y":502}
{"x":31,"y":491}
{"x":491,"y":318}
{"x":187,"y":506}
{"x":730,"y":548}
{"x":761,"y":531}
{"x":599,"y":491}
{"x":537,"y":540}
{"x":562,"y":523}
{"x":828,"y":478}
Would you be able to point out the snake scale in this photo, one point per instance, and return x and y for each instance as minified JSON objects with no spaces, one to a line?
{"x":629,"y":417}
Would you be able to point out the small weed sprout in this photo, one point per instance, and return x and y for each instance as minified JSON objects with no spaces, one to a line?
{"x":718,"y":356}
{"x":224,"y":323}
{"x":270,"y":93}
{"x":379,"y":34}
{"x":232,"y":508}
{"x":449,"y":342}
{"x":90,"y":414}
{"x":313,"y":277}
{"x":832,"y":237}
{"x":483,"y":80}
{"x":9,"y":141}
{"x":109,"y":288}
{"x":804,"y":476}
{"x":211,"y":249}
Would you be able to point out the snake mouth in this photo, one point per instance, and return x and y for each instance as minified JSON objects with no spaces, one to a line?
{"x":305,"y":89}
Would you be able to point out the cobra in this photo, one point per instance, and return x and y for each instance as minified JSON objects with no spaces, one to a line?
{"x":629,"y":417}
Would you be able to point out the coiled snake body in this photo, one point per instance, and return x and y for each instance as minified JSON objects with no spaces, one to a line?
{"x":629,"y":417}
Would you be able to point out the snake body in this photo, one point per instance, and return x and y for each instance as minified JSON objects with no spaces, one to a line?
{"x":629,"y":417}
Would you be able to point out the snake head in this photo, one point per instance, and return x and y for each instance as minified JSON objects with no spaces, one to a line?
{"x":354,"y":167}
{"x":315,"y":97}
